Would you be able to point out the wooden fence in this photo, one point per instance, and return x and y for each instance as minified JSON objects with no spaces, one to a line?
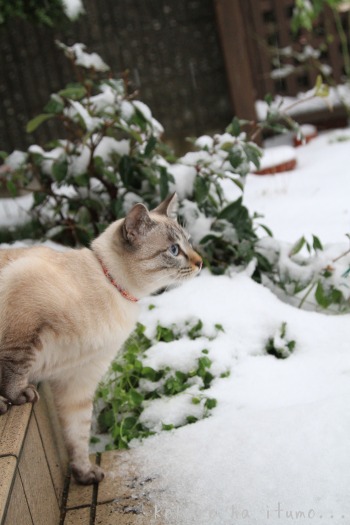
{"x":254,"y":31}
{"x":171,"y":49}
{"x":194,"y":62}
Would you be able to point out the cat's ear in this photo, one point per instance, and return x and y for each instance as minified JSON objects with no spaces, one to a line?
{"x":168,"y":207}
{"x":137,"y":223}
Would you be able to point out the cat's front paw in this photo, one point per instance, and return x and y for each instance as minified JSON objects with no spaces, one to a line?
{"x":28,"y":395}
{"x":4,"y":405}
{"x":94,"y":474}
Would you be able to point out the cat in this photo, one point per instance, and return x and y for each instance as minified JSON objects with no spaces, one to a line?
{"x":64,"y":315}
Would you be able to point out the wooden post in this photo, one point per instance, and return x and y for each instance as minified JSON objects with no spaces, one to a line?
{"x":232,"y":29}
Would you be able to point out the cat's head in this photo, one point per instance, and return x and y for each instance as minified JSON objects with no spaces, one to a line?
{"x":152,"y":247}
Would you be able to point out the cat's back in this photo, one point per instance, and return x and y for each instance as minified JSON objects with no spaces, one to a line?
{"x":51,"y":283}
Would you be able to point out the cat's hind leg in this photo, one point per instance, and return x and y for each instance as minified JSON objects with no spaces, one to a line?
{"x":16,"y":359}
{"x":15,"y":388}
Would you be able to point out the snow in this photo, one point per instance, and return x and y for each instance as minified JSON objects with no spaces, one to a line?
{"x":319,"y":185}
{"x":275,"y":448}
{"x":109,"y":145}
{"x":91,"y":123}
{"x":306,"y":102}
{"x":81,"y":58}
{"x":15,"y":211}
{"x":277,"y":155}
{"x":73,"y":8}
{"x":280,"y":429}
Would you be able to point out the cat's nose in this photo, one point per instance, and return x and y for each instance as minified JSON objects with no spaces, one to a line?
{"x":199,"y":264}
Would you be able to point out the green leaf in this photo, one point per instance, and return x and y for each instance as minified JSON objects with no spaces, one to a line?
{"x":266,"y":229}
{"x":253,"y":154}
{"x":151,"y":144}
{"x":195,"y":331}
{"x":210,"y":403}
{"x":165,"y":334}
{"x":59,"y":169}
{"x":167,"y":427}
{"x":191,"y":419}
{"x":73,"y":92}
{"x":234,"y":128}
{"x":149,"y":373}
{"x":201,"y":189}
{"x":321,"y":89}
{"x":268,"y":99}
{"x":11,"y":188}
{"x":136,"y":397}
{"x":317,"y":245}
{"x":195,"y":400}
{"x":39,"y":197}
{"x":238,"y":183}
{"x":163,"y":182}
{"x":204,"y":362}
{"x":3,"y":155}
{"x":82,"y":180}
{"x":297,"y":246}
{"x":54,"y":105}
{"x":235,"y":158}
{"x":321,"y":297}
{"x":37,"y":121}
{"x":337,"y":296}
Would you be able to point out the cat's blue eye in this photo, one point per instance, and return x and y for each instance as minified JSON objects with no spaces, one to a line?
{"x":174,"y":249}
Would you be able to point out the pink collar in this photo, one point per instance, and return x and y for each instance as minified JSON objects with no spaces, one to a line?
{"x":123,"y":292}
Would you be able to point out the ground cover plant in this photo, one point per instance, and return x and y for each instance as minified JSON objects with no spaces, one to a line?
{"x":132,"y":385}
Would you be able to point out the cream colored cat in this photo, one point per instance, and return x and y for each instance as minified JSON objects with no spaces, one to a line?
{"x":64,"y":315}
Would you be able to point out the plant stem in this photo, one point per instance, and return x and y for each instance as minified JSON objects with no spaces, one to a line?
{"x":306,"y":295}
{"x":343,"y":41}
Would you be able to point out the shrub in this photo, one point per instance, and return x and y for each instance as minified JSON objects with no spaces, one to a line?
{"x":112,"y":156}
{"x":40,"y":12}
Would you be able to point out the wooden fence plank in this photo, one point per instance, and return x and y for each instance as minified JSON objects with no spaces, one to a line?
{"x":234,"y":43}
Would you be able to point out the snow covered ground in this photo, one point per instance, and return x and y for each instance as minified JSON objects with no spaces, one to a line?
{"x":276,"y":448}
